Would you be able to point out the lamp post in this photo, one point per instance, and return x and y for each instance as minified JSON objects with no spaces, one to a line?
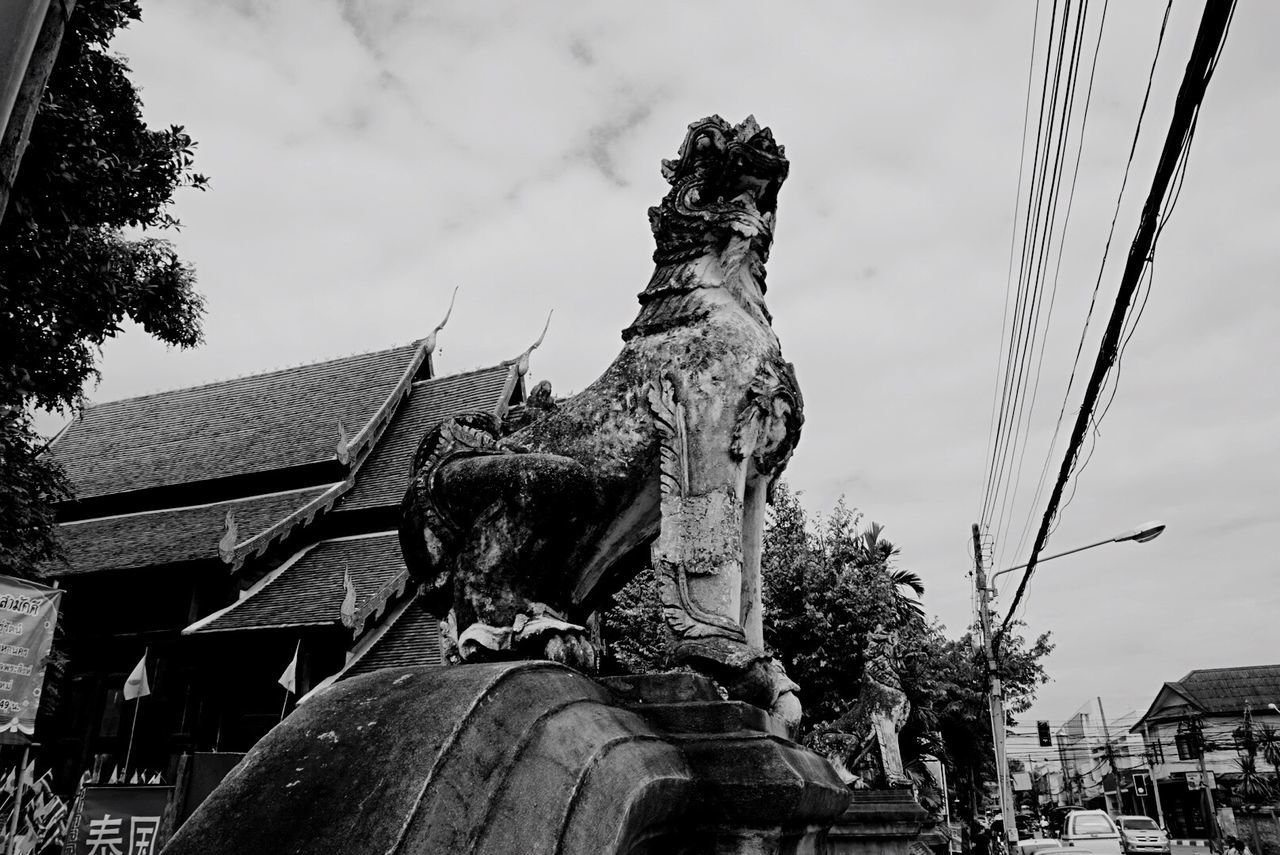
{"x":995,"y":690}
{"x":1142,"y":534}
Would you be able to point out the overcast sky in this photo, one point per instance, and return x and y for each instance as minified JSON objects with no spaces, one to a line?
{"x":367,"y":157}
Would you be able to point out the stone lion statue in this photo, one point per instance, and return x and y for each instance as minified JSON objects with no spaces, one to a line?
{"x":519,"y":527}
{"x":863,"y":744}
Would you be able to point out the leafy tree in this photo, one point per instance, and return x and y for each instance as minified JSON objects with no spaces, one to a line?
{"x":78,"y":256}
{"x":828,"y":584}
{"x":637,"y":640}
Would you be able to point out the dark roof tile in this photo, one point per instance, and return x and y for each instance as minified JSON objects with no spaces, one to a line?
{"x":250,"y":424}
{"x":309,"y":590}
{"x":385,"y":475}
{"x":1225,"y":690}
{"x":412,"y":639}
{"x":172,"y":536}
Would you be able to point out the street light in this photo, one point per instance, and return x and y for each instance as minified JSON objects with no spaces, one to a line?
{"x":1142,"y":534}
{"x":995,"y":690}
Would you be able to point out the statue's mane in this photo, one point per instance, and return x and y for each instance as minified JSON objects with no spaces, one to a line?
{"x":716,"y":222}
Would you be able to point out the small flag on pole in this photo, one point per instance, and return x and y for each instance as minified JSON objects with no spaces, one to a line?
{"x":289,"y":679}
{"x":137,"y":686}
{"x":348,"y":599}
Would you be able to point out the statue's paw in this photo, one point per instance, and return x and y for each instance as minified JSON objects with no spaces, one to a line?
{"x":571,"y":648}
{"x":548,"y":636}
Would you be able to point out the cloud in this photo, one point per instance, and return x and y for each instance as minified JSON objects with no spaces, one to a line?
{"x":368,"y":157}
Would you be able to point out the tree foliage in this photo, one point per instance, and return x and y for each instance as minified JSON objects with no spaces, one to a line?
{"x":827,"y":584}
{"x":79,"y":254}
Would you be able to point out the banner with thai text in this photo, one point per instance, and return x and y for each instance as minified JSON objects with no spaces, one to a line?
{"x":119,"y":820}
{"x":28,"y":614}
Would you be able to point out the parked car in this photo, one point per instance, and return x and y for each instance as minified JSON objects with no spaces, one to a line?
{"x":1092,"y":829}
{"x":1141,"y":834}
{"x":1058,"y":815}
{"x":1037,"y":845}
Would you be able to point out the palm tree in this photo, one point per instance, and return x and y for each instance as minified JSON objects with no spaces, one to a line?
{"x":1269,"y":742}
{"x":1253,"y":784}
{"x":871,"y":549}
{"x":910,"y":581}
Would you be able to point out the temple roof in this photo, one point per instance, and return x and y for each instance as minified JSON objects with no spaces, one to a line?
{"x":412,"y":637}
{"x":182,"y":534}
{"x":307,"y":590}
{"x":385,"y":475}
{"x":253,"y":424}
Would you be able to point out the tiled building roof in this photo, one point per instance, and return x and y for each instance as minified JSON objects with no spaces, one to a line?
{"x":1214,"y":691}
{"x":413,"y":638}
{"x":250,"y":424}
{"x":385,"y":475}
{"x":176,"y":535}
{"x":1226,"y":690}
{"x":308,"y":591}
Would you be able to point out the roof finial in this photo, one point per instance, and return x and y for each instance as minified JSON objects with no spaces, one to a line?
{"x":430,"y":343}
{"x":343,"y":440}
{"x":522,"y":362}
{"x":231,"y":534}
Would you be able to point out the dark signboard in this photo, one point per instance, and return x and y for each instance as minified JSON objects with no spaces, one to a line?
{"x":119,"y":820}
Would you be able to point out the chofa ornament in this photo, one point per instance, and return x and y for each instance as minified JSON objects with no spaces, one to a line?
{"x":519,"y":527}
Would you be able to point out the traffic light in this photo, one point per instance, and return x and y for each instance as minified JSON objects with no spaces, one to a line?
{"x":1042,"y":730}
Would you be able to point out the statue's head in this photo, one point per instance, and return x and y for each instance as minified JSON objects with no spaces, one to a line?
{"x":724,"y":183}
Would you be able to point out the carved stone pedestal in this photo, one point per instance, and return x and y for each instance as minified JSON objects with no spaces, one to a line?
{"x":755,"y":791}
{"x":877,"y":822}
{"x":523,"y":757}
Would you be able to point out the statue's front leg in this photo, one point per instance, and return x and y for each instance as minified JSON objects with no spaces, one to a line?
{"x":699,"y":558}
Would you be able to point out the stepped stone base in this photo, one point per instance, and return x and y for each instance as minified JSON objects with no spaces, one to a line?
{"x":530,"y":757}
{"x":877,"y":822}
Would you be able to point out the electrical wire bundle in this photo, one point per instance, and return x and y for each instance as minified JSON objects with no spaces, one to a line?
{"x":1041,"y":219}
{"x":1165,"y":188}
{"x":1037,"y":244}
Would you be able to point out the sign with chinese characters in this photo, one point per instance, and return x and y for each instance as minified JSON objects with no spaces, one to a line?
{"x":28,"y":614}
{"x":120,"y":820}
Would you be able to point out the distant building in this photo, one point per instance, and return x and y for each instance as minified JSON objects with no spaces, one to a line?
{"x":214,"y":528}
{"x":1089,"y":761}
{"x":1204,"y":711}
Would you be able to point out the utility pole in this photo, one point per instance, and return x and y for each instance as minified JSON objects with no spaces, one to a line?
{"x":995,"y":697}
{"x":1066,"y":773}
{"x":1212,"y":819}
{"x":1111,"y":758}
{"x":1151,"y":776}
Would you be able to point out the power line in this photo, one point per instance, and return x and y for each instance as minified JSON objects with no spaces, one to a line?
{"x":1036,"y":269}
{"x":1210,"y":39}
{"x":1038,"y":229}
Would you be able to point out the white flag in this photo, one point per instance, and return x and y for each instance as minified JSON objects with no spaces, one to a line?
{"x":289,"y":679}
{"x":348,"y":598}
{"x":137,"y":686}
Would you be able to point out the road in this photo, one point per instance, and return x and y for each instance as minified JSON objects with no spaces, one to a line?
{"x":1189,"y":850}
